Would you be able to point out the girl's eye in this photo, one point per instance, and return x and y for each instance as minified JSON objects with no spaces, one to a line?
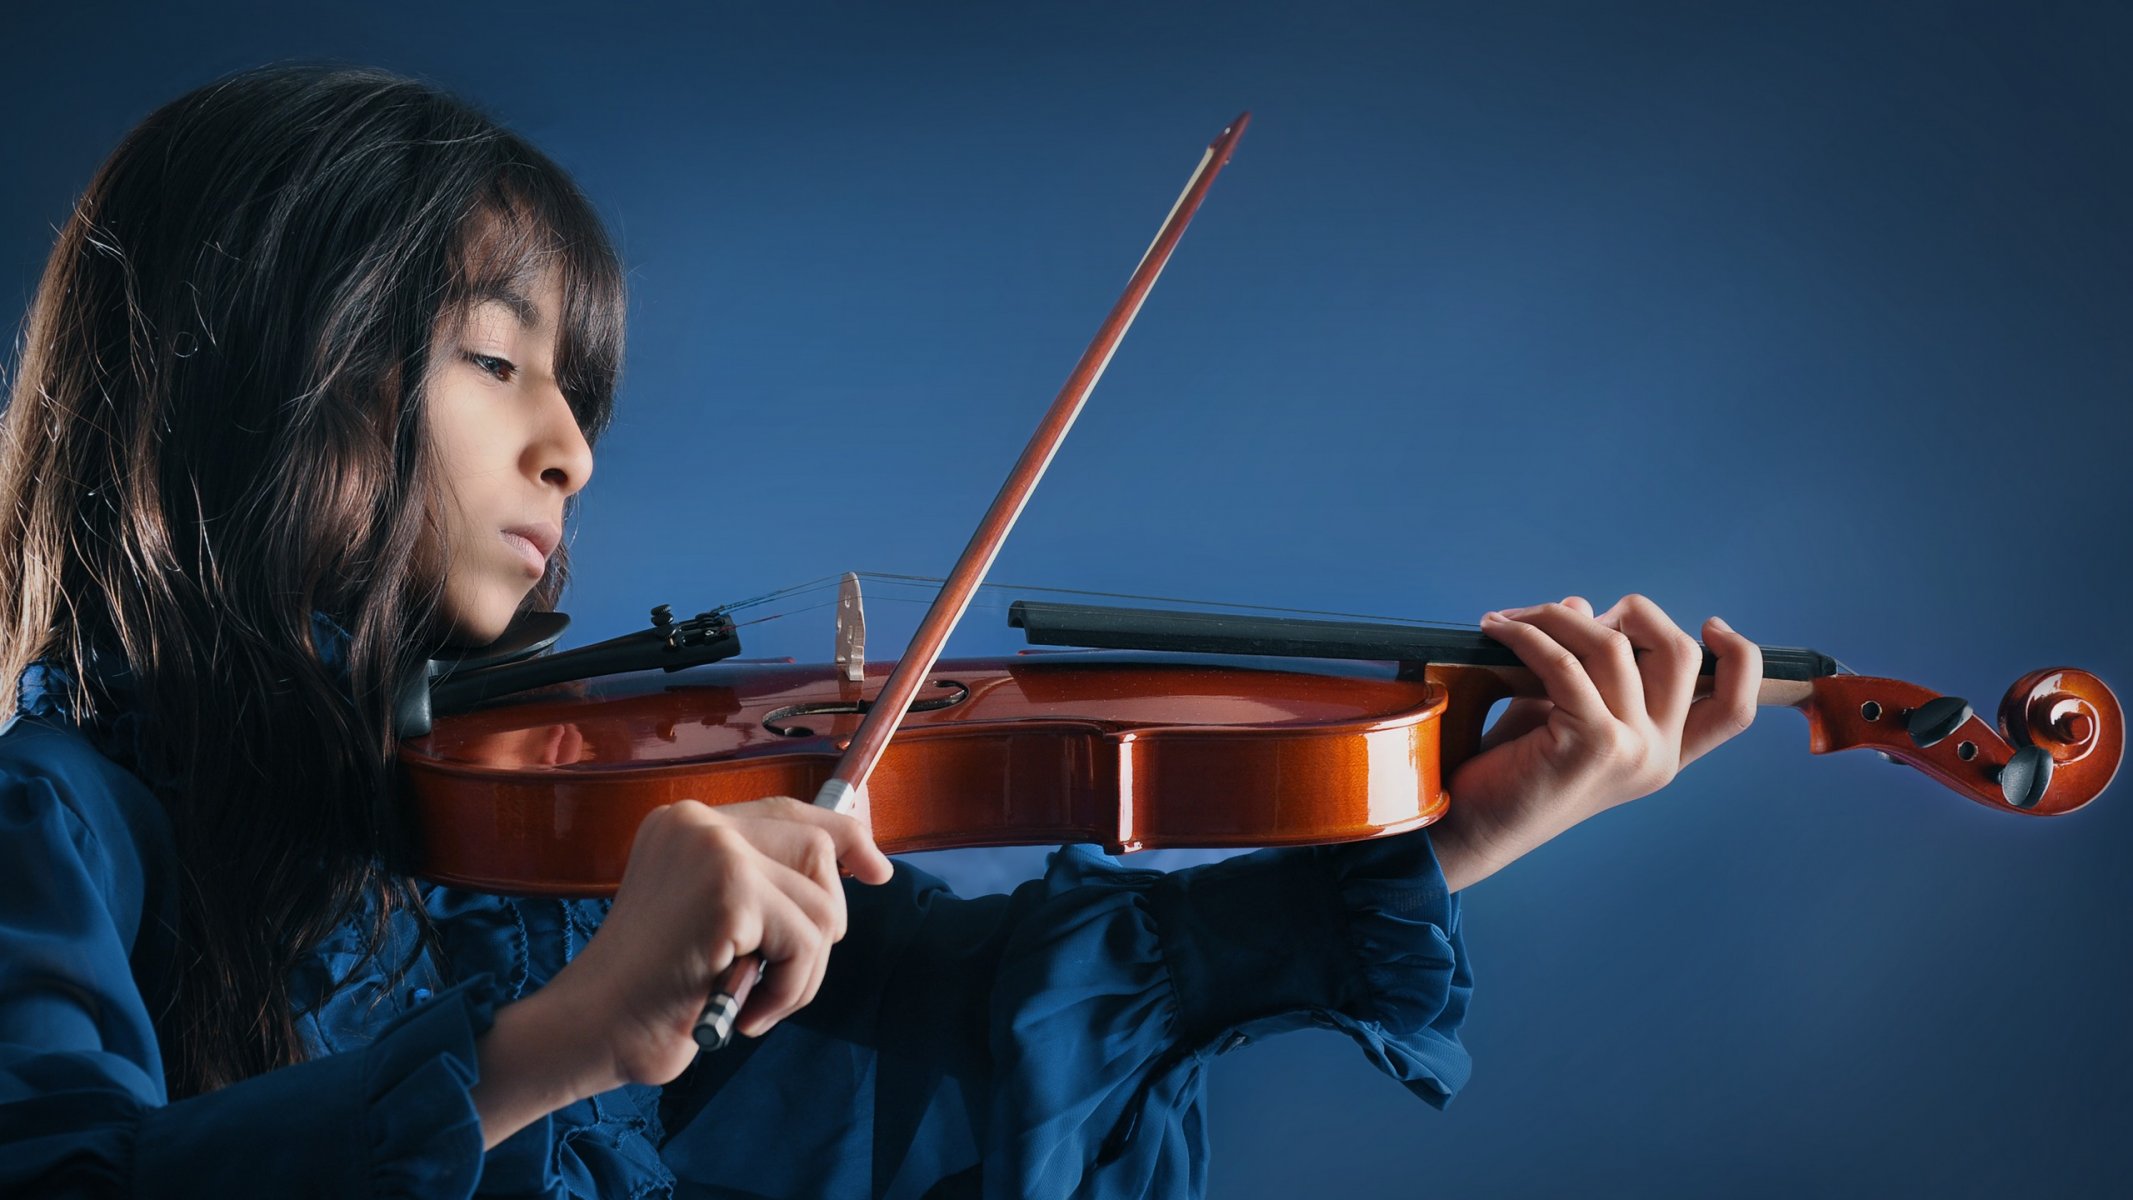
{"x":501,"y":368}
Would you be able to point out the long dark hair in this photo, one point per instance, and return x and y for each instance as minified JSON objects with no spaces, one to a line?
{"x":216,"y":435}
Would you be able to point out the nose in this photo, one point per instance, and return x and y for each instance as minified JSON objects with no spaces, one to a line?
{"x":558,"y":454}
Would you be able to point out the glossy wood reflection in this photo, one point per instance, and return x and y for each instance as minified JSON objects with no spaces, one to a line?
{"x":545,"y":795}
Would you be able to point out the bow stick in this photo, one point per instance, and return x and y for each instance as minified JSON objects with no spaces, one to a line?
{"x":845,"y":791}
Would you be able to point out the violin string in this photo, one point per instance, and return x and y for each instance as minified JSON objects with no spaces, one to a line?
{"x":1001,"y":604}
{"x":781,"y":593}
{"x":1228,"y":604}
{"x":995,"y":599}
{"x":782,"y":613}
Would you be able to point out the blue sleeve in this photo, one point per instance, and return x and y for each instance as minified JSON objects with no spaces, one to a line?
{"x":83,"y":1109}
{"x":604,"y":1145}
{"x":1101,"y":1073}
{"x":1052,"y":1042}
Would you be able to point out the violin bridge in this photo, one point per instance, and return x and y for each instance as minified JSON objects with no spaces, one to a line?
{"x":851,"y":654}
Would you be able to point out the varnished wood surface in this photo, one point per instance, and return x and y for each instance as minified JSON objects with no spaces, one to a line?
{"x":545,"y":796}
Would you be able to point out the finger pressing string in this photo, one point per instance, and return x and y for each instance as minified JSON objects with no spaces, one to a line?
{"x":1730,"y":707}
{"x":1561,"y":675}
{"x":1602,"y":654}
{"x":1667,"y":658}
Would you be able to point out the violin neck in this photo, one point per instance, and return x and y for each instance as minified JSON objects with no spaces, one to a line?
{"x":1102,"y":627}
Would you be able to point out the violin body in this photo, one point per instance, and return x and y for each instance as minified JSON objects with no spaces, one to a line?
{"x":545,"y":795}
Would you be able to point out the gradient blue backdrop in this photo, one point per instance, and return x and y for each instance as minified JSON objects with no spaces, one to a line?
{"x":1815,"y":317}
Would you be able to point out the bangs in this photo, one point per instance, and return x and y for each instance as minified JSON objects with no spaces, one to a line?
{"x":531,"y":220}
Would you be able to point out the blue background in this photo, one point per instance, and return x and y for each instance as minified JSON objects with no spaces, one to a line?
{"x":1814,"y":316}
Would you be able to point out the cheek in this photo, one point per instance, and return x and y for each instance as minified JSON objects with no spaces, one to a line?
{"x":458,"y":444}
{"x":465,"y":443}
{"x":429,"y":560}
{"x":448,"y":555}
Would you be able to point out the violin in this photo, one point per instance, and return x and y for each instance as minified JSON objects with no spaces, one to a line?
{"x":1182,"y":729}
{"x":1351,"y":736}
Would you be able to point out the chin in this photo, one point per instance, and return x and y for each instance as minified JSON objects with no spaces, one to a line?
{"x":476,"y":636}
{"x":483,"y":619}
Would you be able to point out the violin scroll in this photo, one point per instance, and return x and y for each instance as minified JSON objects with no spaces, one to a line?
{"x":2060,"y":738}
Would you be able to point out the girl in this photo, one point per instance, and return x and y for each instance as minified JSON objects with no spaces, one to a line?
{"x":304,"y":397}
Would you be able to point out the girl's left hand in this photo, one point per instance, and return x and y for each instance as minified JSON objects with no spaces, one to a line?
{"x":1619,"y":720}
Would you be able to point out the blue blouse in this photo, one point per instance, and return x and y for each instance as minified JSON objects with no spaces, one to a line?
{"x":1045,"y":1043}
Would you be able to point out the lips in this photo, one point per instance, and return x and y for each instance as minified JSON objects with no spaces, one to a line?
{"x":543,"y":535}
{"x":534,"y":543}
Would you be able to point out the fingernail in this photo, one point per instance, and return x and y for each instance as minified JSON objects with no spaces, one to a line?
{"x":1720,"y":622}
{"x":1491,"y":616}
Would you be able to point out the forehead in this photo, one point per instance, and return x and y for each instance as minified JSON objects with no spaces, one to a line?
{"x":530,"y":304}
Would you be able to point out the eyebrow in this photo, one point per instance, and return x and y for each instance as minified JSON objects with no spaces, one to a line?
{"x":529,"y":316}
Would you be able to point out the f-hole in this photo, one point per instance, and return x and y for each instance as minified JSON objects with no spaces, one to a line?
{"x":780,"y":722}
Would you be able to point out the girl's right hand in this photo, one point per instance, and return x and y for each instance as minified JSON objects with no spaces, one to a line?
{"x":704,"y":886}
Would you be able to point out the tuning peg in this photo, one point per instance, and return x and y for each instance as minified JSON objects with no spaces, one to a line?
{"x":1936,"y":719}
{"x":2026,"y":776}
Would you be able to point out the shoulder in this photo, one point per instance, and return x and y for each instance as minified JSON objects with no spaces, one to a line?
{"x":52,"y":777}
